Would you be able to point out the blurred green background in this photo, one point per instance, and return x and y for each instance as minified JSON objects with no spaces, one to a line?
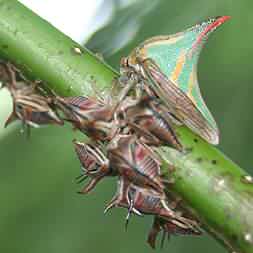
{"x":40,"y":210}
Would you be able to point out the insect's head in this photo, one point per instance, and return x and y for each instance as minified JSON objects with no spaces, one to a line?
{"x":124,"y":62}
{"x":129,"y":64}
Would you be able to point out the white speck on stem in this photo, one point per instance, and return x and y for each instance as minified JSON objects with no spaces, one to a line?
{"x":248,"y":238}
{"x":219,"y":185}
{"x":247,"y":179}
{"x":221,"y":182}
{"x":77,"y":50}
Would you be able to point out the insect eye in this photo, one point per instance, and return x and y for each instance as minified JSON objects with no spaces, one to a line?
{"x":121,"y":115}
{"x":19,"y":107}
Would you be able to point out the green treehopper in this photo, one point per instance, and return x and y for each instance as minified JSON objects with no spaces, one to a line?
{"x":166,"y":66}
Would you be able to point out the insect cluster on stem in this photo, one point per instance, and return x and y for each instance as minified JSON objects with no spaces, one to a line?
{"x":158,"y":90}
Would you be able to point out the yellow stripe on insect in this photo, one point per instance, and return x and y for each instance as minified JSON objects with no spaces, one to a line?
{"x":179,"y":66}
{"x":191,"y":84}
{"x":163,"y":40}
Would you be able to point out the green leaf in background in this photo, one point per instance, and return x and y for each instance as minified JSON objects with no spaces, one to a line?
{"x":125,"y":22}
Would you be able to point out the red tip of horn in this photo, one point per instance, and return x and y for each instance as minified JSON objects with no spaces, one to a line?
{"x":215,"y":23}
{"x":220,"y":20}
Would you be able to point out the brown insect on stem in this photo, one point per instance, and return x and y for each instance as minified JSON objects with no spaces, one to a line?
{"x":94,"y":164}
{"x":147,"y":119}
{"x":135,"y":162}
{"x":171,"y":227}
{"x":89,"y":115}
{"x":31,"y":108}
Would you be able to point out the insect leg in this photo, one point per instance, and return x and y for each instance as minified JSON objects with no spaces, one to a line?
{"x":120,"y":198}
{"x":91,"y":185}
{"x":131,"y":205}
{"x":128,"y":84}
{"x":81,"y":178}
{"x":10,"y":119}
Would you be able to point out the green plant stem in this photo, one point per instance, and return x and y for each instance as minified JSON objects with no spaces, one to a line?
{"x":212,"y":186}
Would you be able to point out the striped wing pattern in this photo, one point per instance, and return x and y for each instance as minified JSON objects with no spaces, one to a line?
{"x":82,"y":102}
{"x":145,"y":163}
{"x":181,"y":105}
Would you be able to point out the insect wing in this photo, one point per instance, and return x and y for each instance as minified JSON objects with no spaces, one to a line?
{"x":81,"y":102}
{"x":82,"y":110}
{"x":144,"y":160}
{"x":179,"y":104}
{"x":35,"y":110}
{"x":76,"y":106}
{"x":170,"y":228}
